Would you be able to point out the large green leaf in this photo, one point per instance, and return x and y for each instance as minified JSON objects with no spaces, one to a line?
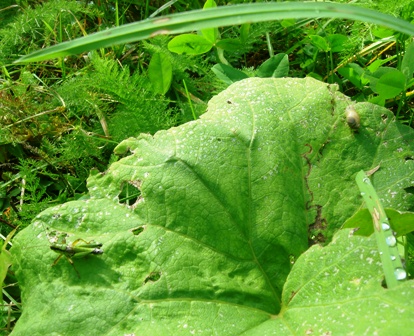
{"x":224,"y":208}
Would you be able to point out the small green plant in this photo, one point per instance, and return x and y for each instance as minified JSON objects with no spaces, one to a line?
{"x":9,"y":311}
{"x":277,"y":66}
{"x":5,"y":256}
{"x":194,"y":44}
{"x":385,"y":82}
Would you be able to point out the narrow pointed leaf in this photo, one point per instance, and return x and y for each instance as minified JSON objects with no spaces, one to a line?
{"x":228,"y":74}
{"x":276,"y":66}
{"x":160,"y":73}
{"x":210,"y":34}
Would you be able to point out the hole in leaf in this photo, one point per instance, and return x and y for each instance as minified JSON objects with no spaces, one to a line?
{"x":409,"y":190}
{"x":384,"y":118}
{"x":130,"y":192}
{"x":123,"y":152}
{"x":316,"y":229}
{"x":154,"y":276}
{"x":407,"y":158}
{"x":352,"y":232}
{"x":137,"y":231}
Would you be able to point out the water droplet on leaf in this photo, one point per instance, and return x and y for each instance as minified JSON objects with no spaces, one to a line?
{"x":400,"y":273}
{"x":385,"y":226}
{"x":391,"y":241}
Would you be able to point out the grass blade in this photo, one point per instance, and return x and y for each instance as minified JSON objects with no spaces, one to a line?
{"x":217,"y":17}
{"x":387,"y":244}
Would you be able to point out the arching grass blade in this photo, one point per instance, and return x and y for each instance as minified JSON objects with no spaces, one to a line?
{"x":217,"y":17}
{"x":387,"y":243}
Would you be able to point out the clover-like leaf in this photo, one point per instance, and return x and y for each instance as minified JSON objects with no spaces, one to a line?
{"x":221,"y":208}
{"x":190,"y":44}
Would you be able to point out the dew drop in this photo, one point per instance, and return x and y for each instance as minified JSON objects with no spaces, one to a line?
{"x":362,"y":194}
{"x":391,"y":241}
{"x":385,"y":226}
{"x":400,"y":273}
{"x":366,"y":180}
{"x":393,"y":258}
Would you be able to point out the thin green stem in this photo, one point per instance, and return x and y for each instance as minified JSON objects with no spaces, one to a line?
{"x":220,"y":54}
{"x":269,"y":45}
{"x":116,"y":14}
{"x":189,"y":100}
